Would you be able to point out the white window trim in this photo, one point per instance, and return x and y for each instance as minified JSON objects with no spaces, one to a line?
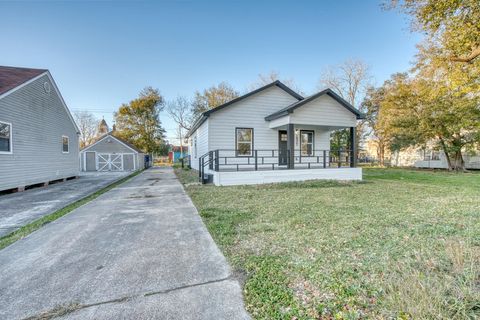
{"x":312,"y":132}
{"x":11,"y":138}
{"x":237,"y":154}
{"x":68,"y":144}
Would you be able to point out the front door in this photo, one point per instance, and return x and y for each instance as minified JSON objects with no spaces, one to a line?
{"x":282,"y":148}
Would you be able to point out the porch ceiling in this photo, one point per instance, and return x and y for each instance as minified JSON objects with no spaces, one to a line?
{"x":283,"y":122}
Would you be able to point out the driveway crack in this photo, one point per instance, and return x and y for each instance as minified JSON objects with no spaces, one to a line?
{"x":65,"y":309}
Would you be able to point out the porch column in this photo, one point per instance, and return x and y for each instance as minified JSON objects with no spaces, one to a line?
{"x":353,"y":147}
{"x":291,"y":145}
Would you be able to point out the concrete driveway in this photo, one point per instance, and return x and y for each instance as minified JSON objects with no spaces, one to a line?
{"x":18,"y":209}
{"x":139,"y":251}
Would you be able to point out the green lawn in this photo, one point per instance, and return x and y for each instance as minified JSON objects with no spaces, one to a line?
{"x":402,"y":244}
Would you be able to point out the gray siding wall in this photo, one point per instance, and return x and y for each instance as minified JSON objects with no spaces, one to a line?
{"x":39,"y":120}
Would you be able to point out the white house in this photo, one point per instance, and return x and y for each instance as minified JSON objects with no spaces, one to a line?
{"x":273,"y":134}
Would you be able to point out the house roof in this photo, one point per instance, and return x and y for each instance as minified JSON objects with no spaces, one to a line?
{"x":289,"y":109}
{"x":12,"y":77}
{"x":201,"y":119}
{"x":110,"y":134}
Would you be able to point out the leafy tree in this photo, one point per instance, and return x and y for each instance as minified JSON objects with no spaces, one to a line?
{"x":87,"y":124}
{"x":372,"y":103}
{"x":451,"y":26}
{"x":212,"y":97}
{"x":425,"y":108}
{"x":138,"y":122}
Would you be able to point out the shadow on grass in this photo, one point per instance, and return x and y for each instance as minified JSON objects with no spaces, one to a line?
{"x":311,"y":184}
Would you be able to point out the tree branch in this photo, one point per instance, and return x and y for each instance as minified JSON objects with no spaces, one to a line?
{"x":475,"y":53}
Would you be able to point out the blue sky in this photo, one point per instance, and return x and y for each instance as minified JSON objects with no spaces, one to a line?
{"x":102,"y":54}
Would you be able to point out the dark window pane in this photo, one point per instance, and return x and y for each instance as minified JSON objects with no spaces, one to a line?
{"x":65,"y":144}
{"x":5,"y":137}
{"x":4,"y":145}
{"x":244,"y":149}
{"x":306,"y":143}
{"x":244,"y":135}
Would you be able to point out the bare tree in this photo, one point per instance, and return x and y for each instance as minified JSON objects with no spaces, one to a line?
{"x":350,"y":80}
{"x":87,"y":123}
{"x":180,"y":111}
{"x":264,"y":79}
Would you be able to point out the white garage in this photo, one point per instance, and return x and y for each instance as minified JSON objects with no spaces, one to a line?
{"x":110,"y":153}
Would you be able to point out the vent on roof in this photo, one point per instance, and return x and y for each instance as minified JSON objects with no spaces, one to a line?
{"x":46,"y":87}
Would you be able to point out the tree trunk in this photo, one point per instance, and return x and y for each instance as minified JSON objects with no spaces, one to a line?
{"x":381,"y":153}
{"x":445,"y":151}
{"x":459,"y":164}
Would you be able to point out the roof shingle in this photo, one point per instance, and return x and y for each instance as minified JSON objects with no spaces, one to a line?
{"x":12,"y":77}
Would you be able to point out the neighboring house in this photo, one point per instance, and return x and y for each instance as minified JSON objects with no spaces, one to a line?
{"x":38,"y":136}
{"x":421,"y":157}
{"x":177,"y":152}
{"x":437,"y":160}
{"x":255,"y":138}
{"x":110,"y":153}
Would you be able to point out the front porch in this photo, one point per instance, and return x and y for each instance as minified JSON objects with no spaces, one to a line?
{"x":231,"y":178}
{"x":296,"y":157}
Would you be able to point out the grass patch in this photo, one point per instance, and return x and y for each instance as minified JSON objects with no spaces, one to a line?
{"x":402,"y":244}
{"x":37,"y":224}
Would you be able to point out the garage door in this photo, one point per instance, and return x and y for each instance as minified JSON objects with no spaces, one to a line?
{"x":109,"y":162}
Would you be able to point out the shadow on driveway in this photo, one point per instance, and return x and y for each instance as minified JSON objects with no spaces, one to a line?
{"x":19,"y":209}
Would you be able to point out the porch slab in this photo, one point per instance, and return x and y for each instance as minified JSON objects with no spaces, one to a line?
{"x":223,"y":178}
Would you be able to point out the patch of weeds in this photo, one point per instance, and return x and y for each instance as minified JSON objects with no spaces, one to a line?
{"x":222,"y":224}
{"x":266,"y":290}
{"x":186,"y":175}
{"x":37,"y":224}
{"x":58,"y":311}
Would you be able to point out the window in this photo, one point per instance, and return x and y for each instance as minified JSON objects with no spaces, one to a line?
{"x":195,"y":146}
{"x":306,"y":143}
{"x":65,"y":146}
{"x":244,"y":141}
{"x":5,"y":137}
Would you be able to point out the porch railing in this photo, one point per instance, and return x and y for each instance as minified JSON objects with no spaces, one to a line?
{"x":272,"y":159}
